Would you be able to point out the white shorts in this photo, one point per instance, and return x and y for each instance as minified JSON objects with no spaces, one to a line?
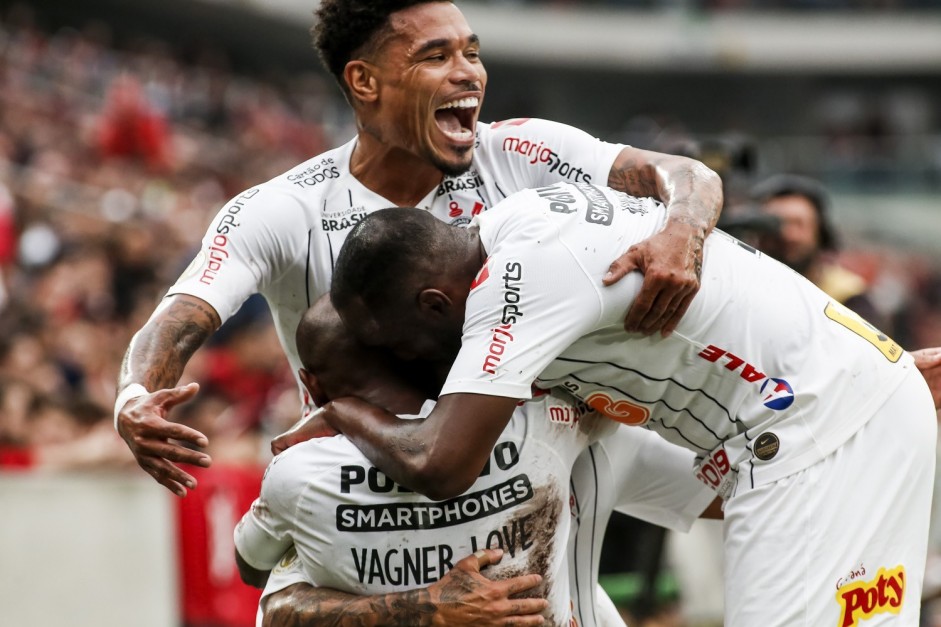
{"x":842,"y":543}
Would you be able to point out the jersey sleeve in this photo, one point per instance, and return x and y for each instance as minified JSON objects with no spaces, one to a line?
{"x":289,"y":571}
{"x":263,"y":535}
{"x":535,"y":152}
{"x":245,"y":248}
{"x":653,"y":479}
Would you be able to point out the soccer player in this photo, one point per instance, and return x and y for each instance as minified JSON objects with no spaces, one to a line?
{"x":357,"y":532}
{"x":411,"y":71}
{"x":816,"y":429}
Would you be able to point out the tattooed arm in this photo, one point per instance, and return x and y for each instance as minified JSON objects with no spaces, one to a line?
{"x":462,"y":597}
{"x":155,"y":360}
{"x":672,"y":259}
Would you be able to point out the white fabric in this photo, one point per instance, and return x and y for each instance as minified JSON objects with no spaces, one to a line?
{"x":755,"y":331}
{"x":288,"y":571}
{"x":837,"y":543}
{"x":607,"y":612}
{"x":640,"y":474}
{"x":354,"y":530}
{"x":282,"y":237}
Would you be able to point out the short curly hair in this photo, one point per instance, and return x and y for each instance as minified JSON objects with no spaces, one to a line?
{"x":345,"y":28}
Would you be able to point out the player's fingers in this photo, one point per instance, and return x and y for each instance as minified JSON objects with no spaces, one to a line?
{"x":927,"y":357}
{"x":675,"y":313}
{"x":524,"y":621}
{"x":173,"y":486}
{"x":666,"y":302}
{"x":177,"y":431}
{"x":180,"y":454}
{"x":521,"y":583}
{"x":174,"y":396}
{"x":482,"y":558}
{"x":620,"y":267}
{"x":646,"y":309}
{"x":168,"y":475}
{"x":526,"y":607}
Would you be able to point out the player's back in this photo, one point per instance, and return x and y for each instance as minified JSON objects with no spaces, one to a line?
{"x":760,"y":351}
{"x":358,"y":531}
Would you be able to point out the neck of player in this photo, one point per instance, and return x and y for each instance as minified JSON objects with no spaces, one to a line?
{"x":395,"y":174}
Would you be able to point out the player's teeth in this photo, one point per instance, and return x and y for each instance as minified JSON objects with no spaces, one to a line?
{"x":464,"y":134}
{"x":463,"y":103}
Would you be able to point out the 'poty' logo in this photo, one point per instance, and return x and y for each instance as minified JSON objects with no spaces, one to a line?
{"x":864,"y":599}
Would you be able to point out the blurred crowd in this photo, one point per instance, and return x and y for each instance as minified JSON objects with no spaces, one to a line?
{"x":112,"y":161}
{"x":111,"y":165}
{"x":759,"y":5}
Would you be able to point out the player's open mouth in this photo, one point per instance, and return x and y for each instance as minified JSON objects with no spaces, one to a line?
{"x":456,"y":118}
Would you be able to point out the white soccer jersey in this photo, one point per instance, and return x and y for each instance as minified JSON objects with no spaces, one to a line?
{"x":639,"y":474}
{"x":750,"y":366}
{"x":281,"y":238}
{"x":357,"y":531}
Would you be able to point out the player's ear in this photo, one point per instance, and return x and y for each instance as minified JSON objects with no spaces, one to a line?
{"x":313,"y":387}
{"x":360,"y":77}
{"x":434,"y":302}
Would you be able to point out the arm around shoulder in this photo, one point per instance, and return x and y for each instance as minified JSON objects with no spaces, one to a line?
{"x":439,"y":456}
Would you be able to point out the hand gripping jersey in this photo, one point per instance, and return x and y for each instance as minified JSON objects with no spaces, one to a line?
{"x":357,"y":531}
{"x":765,"y":375}
{"x":281,"y":238}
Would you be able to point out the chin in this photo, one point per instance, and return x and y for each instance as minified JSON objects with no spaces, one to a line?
{"x":457,"y":166}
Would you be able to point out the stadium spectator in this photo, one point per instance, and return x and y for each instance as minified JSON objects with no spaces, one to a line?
{"x":807,"y":241}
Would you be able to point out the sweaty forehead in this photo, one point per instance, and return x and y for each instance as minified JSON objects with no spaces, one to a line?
{"x":418,"y":25}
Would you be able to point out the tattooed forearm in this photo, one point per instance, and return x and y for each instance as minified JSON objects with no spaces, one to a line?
{"x":301,"y":605}
{"x":159,"y":351}
{"x":629,"y":176}
{"x":691,"y":191}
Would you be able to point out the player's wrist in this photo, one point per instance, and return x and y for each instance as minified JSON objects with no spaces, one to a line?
{"x":134,"y":390}
{"x":690,"y":226}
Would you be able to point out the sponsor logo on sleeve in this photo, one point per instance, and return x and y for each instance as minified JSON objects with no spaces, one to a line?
{"x":860,"y":600}
{"x":511,"y":313}
{"x":217,"y":252}
{"x":538,"y":153}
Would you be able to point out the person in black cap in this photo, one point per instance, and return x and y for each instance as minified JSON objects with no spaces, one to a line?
{"x":806,"y":241}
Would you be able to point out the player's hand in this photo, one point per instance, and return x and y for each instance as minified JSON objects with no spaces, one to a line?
{"x":466,"y":597}
{"x":671,"y":262}
{"x":928,"y":361}
{"x":307,"y":428}
{"x":143,"y":425}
